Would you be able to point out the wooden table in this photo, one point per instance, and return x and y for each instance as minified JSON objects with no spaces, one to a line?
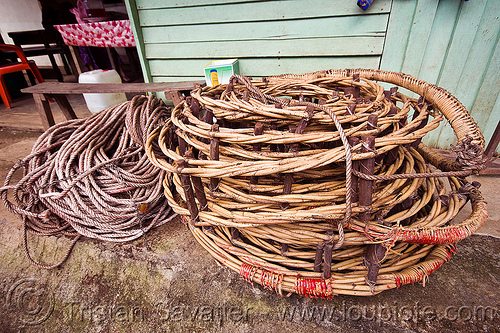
{"x":42,"y":92}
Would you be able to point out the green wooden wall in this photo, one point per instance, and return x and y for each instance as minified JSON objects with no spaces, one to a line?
{"x":268,"y":37}
{"x":451,"y":43}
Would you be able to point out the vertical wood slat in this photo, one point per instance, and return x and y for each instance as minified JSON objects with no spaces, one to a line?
{"x":489,"y":132}
{"x":466,"y":27}
{"x":235,"y":235}
{"x":489,"y":98}
{"x":397,"y":35}
{"x":373,"y":260}
{"x":318,"y":257}
{"x":189,"y":194}
{"x":327,"y":260}
{"x":199,"y":190}
{"x":182,"y":146}
{"x":135,"y":23}
{"x":492,"y":146}
{"x":258,"y":130}
{"x":327,"y":256}
{"x":374,"y":252}
{"x":419,"y":35}
{"x":214,"y":156}
{"x":372,"y":255}
{"x":464,"y":60}
{"x":288,"y":178}
{"x":287,"y":186}
{"x":440,"y":36}
{"x":284,"y":249}
{"x":367,"y":166}
{"x":353,"y":141}
{"x":366,"y":186}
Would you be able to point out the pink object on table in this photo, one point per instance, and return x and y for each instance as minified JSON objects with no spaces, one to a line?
{"x":100,"y":34}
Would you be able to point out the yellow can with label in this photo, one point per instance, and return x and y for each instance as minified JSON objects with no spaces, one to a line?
{"x":214,"y":77}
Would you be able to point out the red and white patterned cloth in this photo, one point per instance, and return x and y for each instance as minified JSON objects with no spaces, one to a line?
{"x":100,"y":34}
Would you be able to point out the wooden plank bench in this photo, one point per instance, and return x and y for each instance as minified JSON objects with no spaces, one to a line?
{"x":42,"y":92}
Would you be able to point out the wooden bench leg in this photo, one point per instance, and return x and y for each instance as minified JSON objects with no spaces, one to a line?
{"x":44,"y":109}
{"x":66,"y":108}
{"x":55,"y":67}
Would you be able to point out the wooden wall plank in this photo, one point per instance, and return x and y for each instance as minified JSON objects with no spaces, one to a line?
{"x":157,"y":4}
{"x":440,"y":38}
{"x":370,"y":25}
{"x":488,"y":96}
{"x":480,"y":52}
{"x":257,"y":11}
{"x":465,"y":31}
{"x":398,"y":32}
{"x":476,"y":65}
{"x":492,"y":122}
{"x":435,"y":55}
{"x":466,"y":28}
{"x":177,"y":78}
{"x":419,"y":35}
{"x":264,"y":66}
{"x":337,"y":46}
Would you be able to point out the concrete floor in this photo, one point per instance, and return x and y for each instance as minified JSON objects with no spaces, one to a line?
{"x":176,"y":286}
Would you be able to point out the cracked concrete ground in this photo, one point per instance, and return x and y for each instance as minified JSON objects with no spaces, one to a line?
{"x":176,"y":286}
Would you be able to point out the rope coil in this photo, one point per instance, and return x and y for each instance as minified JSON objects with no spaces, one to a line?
{"x":91,"y":177}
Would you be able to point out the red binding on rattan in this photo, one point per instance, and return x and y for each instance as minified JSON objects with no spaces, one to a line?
{"x":248,"y":272}
{"x":437,"y":236}
{"x":314,"y":288}
{"x":268,"y":279}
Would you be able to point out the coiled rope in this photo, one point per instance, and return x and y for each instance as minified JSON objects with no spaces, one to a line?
{"x":91,"y":177}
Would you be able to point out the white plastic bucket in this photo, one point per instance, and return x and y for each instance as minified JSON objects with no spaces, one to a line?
{"x":98,"y":102}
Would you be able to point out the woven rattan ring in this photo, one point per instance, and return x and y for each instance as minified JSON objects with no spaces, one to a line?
{"x":318,"y":184}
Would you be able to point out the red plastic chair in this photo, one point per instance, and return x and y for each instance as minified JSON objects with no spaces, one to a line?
{"x":25,"y":64}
